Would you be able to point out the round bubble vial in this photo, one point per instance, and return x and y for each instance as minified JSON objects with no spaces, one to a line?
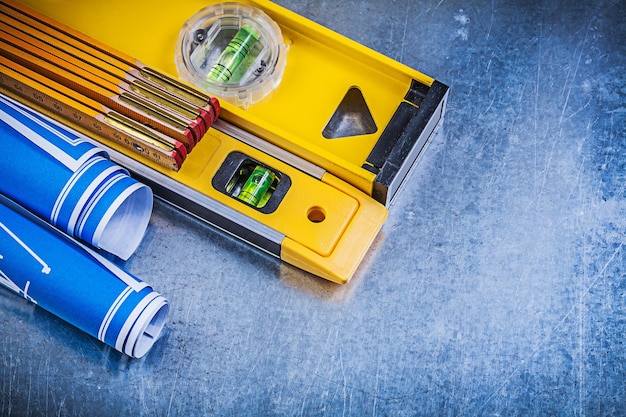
{"x":233,"y":51}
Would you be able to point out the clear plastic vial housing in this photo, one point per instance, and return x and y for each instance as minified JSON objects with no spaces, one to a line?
{"x":233,"y":51}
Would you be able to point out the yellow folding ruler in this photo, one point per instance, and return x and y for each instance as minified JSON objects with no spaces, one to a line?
{"x":303,"y":171}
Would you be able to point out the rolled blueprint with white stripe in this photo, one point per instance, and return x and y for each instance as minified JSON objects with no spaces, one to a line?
{"x":69,"y":182}
{"x":73,"y":282}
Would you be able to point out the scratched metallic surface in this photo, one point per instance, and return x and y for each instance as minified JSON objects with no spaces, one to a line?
{"x":497,"y":286}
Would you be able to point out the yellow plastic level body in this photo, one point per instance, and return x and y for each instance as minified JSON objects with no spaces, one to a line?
{"x":321,"y":67}
{"x":328,"y":225}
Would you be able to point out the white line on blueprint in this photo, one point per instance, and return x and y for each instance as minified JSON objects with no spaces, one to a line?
{"x":45,"y":268}
{"x":43,"y":142}
{"x":13,"y":286}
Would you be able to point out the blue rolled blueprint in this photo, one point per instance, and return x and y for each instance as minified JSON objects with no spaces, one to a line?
{"x":69,"y":182}
{"x":75,"y":283}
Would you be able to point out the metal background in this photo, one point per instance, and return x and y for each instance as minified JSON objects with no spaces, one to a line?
{"x":497,"y":286}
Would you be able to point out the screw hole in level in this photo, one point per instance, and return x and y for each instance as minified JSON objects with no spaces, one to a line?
{"x":316,"y":214}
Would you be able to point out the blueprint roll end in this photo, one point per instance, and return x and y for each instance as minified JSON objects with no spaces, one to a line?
{"x":122,"y":227}
{"x":143,"y":326}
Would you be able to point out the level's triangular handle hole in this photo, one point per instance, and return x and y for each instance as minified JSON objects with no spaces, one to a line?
{"x":351,"y":118}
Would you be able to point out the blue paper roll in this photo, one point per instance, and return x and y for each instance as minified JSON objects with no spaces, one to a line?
{"x":69,"y":182}
{"x":73,"y":282}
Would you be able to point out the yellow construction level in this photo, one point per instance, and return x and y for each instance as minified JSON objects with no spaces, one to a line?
{"x":304,"y":113}
{"x":305,"y":171}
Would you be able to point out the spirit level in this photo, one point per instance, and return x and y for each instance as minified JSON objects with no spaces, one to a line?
{"x":328,"y":82}
{"x":290,"y":173}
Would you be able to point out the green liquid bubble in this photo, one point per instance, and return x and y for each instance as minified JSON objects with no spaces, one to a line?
{"x":234,"y":53}
{"x":257,"y":186}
